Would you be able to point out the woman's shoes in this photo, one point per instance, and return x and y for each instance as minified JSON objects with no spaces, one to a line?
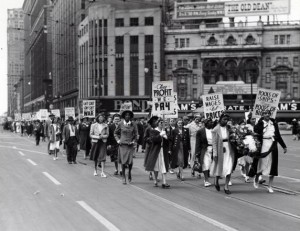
{"x":129,"y":177}
{"x":103,"y":175}
{"x":255,"y":184}
{"x":155,"y":184}
{"x":207,"y":184}
{"x":217,"y":187}
{"x":124,"y":181}
{"x":116,"y":173}
{"x":227,"y":191}
{"x":165,"y":186}
{"x":95,"y":173}
{"x":270,"y":190}
{"x":150,"y":177}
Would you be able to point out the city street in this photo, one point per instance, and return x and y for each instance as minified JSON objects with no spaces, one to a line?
{"x":38,"y":193}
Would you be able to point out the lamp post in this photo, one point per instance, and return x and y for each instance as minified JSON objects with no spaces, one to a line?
{"x":251,"y":82}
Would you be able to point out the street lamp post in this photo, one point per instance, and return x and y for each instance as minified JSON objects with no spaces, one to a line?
{"x":251,"y":82}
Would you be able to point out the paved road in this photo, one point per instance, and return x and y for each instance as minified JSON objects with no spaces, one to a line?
{"x":38,"y":193}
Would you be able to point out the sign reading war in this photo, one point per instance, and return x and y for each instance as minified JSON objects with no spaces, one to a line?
{"x":213,"y":105}
{"x":266,"y":100}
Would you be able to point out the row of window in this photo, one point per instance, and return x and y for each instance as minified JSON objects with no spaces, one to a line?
{"x":283,"y":61}
{"x":282,"y":39}
{"x":283,"y":77}
{"x":182,"y":63}
{"x":149,"y":21}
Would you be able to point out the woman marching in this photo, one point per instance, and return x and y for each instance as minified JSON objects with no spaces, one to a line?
{"x":204,"y":148}
{"x":180,"y":147}
{"x":99,"y":133}
{"x":126,"y":135}
{"x":54,"y":137}
{"x":269,"y":133}
{"x":156,"y":156}
{"x":223,"y":154}
{"x":84,"y":133}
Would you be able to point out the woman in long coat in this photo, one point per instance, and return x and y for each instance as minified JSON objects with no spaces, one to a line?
{"x":270,"y":136}
{"x":54,"y":137}
{"x":157,"y":156}
{"x":126,"y":135}
{"x":223,"y":153}
{"x":99,"y":133}
{"x":204,"y":149}
{"x":84,"y":133}
{"x":180,"y":147}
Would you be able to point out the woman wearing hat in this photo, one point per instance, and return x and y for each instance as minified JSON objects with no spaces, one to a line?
{"x":156,"y":156}
{"x":204,"y":149}
{"x":269,"y":133}
{"x":84,"y":133}
{"x":55,"y":137}
{"x":99,"y":133}
{"x":126,"y":135}
{"x":223,"y":153}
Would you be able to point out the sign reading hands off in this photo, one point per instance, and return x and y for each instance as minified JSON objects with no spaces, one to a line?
{"x":266,"y":100}
{"x":213,"y":105}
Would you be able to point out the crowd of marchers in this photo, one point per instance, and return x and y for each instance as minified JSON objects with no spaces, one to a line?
{"x":214,"y":148}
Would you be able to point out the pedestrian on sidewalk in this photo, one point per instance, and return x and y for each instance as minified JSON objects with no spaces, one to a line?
{"x":99,"y":133}
{"x":55,"y":137}
{"x":71,"y":140}
{"x":126,"y":135}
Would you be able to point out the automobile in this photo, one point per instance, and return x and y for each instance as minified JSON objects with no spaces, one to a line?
{"x":284,"y":126}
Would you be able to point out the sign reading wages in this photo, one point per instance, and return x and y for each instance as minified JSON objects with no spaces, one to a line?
{"x":266,"y":100}
{"x":89,"y":108}
{"x":213,"y":105}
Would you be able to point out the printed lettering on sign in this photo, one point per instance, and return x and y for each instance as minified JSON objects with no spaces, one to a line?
{"x":266,"y":100}
{"x":213,"y":105}
{"x":89,"y":108}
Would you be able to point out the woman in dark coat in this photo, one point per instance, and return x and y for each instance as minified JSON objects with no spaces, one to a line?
{"x":156,"y":156}
{"x":85,"y":140}
{"x":180,"y":147}
{"x":269,"y":133}
{"x":295,"y":129}
{"x":126,"y":135}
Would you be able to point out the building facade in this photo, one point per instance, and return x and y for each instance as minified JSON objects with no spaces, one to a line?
{"x":38,"y":55}
{"x":120,"y":50}
{"x":234,"y":58}
{"x":15,"y":60}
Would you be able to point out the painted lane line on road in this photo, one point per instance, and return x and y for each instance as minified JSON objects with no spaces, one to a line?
{"x":298,"y":170}
{"x":14,"y":147}
{"x":98,"y":217}
{"x":2,"y":146}
{"x":289,"y":178}
{"x":51,"y":178}
{"x":32,"y":162}
{"x":21,"y":153}
{"x":189,"y":211}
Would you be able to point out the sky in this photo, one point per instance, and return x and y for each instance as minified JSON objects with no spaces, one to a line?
{"x":9,"y":4}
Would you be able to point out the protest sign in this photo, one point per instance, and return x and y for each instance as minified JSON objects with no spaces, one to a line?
{"x":44,"y":114}
{"x":26,"y":116}
{"x":69,"y":111}
{"x":213,"y":105}
{"x":127,"y":106}
{"x":175,"y":108}
{"x":56,"y":112}
{"x":89,"y":108}
{"x":266,"y":100}
{"x":17,"y":116}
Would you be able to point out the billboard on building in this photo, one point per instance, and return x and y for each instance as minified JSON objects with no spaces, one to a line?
{"x":199,"y":10}
{"x":257,"y":7}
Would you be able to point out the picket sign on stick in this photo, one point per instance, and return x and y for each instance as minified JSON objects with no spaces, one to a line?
{"x":56,"y":112}
{"x":69,"y":111}
{"x":89,"y":108}
{"x":213,"y":105}
{"x":266,"y":100}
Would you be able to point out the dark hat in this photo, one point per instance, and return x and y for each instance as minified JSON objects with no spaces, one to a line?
{"x":70,"y":118}
{"x":116,"y":115}
{"x":51,"y":115}
{"x":224,"y":115}
{"x":127,"y":111}
{"x":206,"y":121}
{"x":153,"y":118}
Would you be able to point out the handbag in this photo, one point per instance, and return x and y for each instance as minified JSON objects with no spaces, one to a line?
{"x":197,"y":167}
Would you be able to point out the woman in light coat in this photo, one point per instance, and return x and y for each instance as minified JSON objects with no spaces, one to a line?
{"x":55,"y":137}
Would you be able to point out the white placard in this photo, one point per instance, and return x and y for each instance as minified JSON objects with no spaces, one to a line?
{"x":213,"y":105}
{"x":44,"y":114}
{"x":266,"y":100}
{"x":26,"y":116}
{"x":56,"y":112}
{"x":18,"y":116}
{"x":89,"y":108}
{"x":69,"y":111}
{"x":162,"y":91}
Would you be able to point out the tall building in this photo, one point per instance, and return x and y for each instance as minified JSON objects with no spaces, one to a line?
{"x":38,"y":55}
{"x":66,"y":16}
{"x":205,"y":55}
{"x":15,"y":59}
{"x":120,"y":53}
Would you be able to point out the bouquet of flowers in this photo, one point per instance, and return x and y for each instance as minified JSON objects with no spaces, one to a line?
{"x":244,"y":140}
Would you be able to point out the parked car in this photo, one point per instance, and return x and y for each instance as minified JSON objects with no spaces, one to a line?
{"x":284,"y":126}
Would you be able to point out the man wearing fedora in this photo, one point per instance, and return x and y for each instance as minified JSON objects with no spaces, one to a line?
{"x":71,"y":139}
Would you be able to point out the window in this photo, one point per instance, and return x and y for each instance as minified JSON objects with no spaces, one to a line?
{"x":285,"y":61}
{"x":295,"y":92}
{"x":179,"y":63}
{"x":149,"y":39}
{"x":282,"y":39}
{"x":268,"y":78}
{"x":149,"y":21}
{"x":195,"y":94}
{"x":195,"y":79}
{"x":134,"y":21}
{"x":288,"y":39}
{"x":187,"y":42}
{"x":134,"y":39}
{"x":176,"y":42}
{"x":185,"y":63}
{"x":295,"y":77}
{"x":296,"y":61}
{"x":119,"y":22}
{"x":268,"y":62}
{"x":169,"y":77}
{"x":195,"y":63}
{"x":276,"y":39}
{"x":278,"y":61}
{"x":169,"y":64}
{"x":181,"y":42}
{"x":212,"y":41}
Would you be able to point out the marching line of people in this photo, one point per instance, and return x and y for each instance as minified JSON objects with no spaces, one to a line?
{"x":213,"y":148}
